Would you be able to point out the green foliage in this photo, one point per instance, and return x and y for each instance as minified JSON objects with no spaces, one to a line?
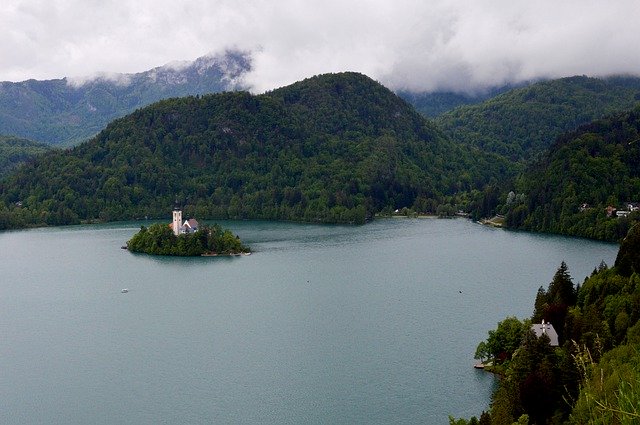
{"x":597,"y":165}
{"x":594,"y":377}
{"x":333,"y":148}
{"x":15,"y":151}
{"x":505,"y":339}
{"x":628,"y":258}
{"x":60,"y":112}
{"x":610,"y":389}
{"x":482,"y":352}
{"x":461,"y":421}
{"x":159,"y":239}
{"x":523,"y":123}
{"x":553,"y":305}
{"x":434,"y":104}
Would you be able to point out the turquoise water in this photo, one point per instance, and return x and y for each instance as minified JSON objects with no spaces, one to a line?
{"x":373,"y":324}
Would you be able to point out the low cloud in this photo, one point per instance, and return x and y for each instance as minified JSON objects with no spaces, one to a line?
{"x":113,"y":77}
{"x":406,"y":44}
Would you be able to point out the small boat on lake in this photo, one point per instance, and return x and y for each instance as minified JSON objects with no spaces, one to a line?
{"x":124,"y":291}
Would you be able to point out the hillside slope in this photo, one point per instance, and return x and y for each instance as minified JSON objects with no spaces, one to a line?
{"x":597,"y":165}
{"x":334,"y":148}
{"x":523,"y":123}
{"x":593,"y":375}
{"x":433,"y":104}
{"x":15,"y":151}
{"x":66,"y":112}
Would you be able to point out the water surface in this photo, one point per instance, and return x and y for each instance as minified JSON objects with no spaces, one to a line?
{"x":372,"y":324}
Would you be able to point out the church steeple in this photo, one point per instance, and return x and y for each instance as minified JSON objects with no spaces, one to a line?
{"x":177,"y":219}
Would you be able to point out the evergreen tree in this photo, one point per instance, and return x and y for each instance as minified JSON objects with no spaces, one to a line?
{"x":540,"y":306}
{"x":561,"y":289}
{"x":159,"y":239}
{"x":628,"y":258}
{"x":552,"y":305}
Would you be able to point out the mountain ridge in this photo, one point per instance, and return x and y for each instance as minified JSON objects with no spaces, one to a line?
{"x":332,"y":148}
{"x":522,"y":123}
{"x":584,"y":172}
{"x":64,"y":112}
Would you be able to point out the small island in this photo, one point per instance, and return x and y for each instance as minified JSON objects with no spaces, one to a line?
{"x":188,"y":239}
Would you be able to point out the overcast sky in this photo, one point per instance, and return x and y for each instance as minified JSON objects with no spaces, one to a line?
{"x":413,"y":44}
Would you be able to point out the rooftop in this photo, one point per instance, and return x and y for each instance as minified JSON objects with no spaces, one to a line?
{"x":546,"y":328}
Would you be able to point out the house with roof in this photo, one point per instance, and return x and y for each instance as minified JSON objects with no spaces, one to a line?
{"x":546,"y":329}
{"x":179,"y":228}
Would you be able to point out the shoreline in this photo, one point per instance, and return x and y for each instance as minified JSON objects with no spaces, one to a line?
{"x":231,"y":254}
{"x":495,"y":221}
{"x":422,"y":216}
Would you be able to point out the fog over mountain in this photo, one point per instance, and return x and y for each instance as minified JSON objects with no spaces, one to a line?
{"x":440,"y":45}
{"x":68,"y":111}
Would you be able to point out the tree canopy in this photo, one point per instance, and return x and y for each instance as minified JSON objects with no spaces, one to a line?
{"x":593,"y":377}
{"x":584,"y":172}
{"x":628,"y":258}
{"x":15,"y":151}
{"x":522,"y":123}
{"x":333,"y":148}
{"x":159,"y":239}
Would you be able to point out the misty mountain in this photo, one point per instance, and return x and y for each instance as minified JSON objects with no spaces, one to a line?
{"x":68,"y":111}
{"x":433,"y":104}
{"x":332,"y":148}
{"x":522,"y":123}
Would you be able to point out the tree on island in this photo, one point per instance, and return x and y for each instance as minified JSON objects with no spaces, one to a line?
{"x":158,"y":239}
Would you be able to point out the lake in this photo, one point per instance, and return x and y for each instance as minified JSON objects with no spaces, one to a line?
{"x":322,"y":324}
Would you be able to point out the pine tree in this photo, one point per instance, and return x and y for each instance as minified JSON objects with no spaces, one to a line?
{"x":628,"y":259}
{"x":552,"y":305}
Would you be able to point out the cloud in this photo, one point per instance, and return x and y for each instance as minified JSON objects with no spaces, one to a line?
{"x":118,"y":79}
{"x":412,"y":44}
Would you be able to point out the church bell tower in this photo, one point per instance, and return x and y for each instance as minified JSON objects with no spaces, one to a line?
{"x":177,"y":220}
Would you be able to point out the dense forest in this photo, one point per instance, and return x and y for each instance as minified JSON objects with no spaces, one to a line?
{"x":159,"y":239}
{"x":586,"y":171}
{"x":333,"y":148}
{"x":15,"y":151}
{"x":67,"y":112}
{"x":342,"y":148}
{"x":433,"y":104}
{"x":593,"y":376}
{"x":523,"y":123}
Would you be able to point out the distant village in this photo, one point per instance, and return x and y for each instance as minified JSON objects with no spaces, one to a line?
{"x":628,"y":208}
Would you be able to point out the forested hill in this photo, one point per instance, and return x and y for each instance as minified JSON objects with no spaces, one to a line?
{"x":333,"y":148}
{"x":67,"y":112}
{"x":14,"y":151}
{"x":597,"y":165}
{"x":593,"y":375}
{"x":523,"y":123}
{"x":433,"y":104}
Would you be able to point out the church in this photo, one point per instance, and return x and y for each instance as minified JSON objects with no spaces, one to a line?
{"x":178,"y":227}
